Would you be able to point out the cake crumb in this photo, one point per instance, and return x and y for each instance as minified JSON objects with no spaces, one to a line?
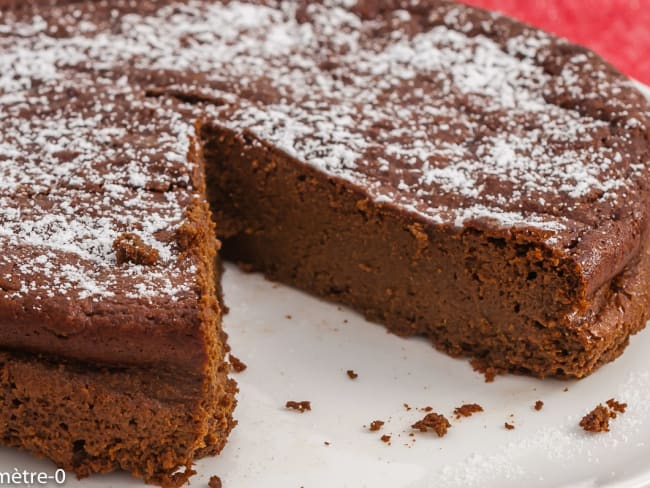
{"x":215,"y":482}
{"x":467,"y":410}
{"x":426,"y":409}
{"x":434,"y":421}
{"x":130,"y":248}
{"x":179,"y":478}
{"x":616,"y":406}
{"x":375,"y":425}
{"x":245,"y":267}
{"x":237,"y":364}
{"x":351,"y":374}
{"x":597,"y":420}
{"x":488,"y":372}
{"x":288,"y":317}
{"x":508,"y":426}
{"x":326,"y":443}
{"x":539,"y":405}
{"x":385,"y":438}
{"x":407,"y":407}
{"x":299,"y":406}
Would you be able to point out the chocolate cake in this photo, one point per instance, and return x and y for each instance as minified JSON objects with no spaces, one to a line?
{"x":446,"y":171}
{"x":110,"y":323}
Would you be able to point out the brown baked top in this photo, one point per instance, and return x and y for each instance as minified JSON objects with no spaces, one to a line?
{"x":461,"y":117}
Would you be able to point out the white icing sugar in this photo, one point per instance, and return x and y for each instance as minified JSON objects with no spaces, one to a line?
{"x":365,"y":101}
{"x":563,"y":442}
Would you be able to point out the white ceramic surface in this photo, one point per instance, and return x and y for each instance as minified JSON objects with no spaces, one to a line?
{"x":305,"y":357}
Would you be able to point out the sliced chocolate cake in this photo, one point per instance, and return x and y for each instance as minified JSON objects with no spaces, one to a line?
{"x":110,"y":323}
{"x":446,"y":171}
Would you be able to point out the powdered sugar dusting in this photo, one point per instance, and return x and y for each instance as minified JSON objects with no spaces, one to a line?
{"x":430,"y":114}
{"x":564,"y":442}
{"x":75,"y":176}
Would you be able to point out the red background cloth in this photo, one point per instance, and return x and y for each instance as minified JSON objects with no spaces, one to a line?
{"x":619,"y":30}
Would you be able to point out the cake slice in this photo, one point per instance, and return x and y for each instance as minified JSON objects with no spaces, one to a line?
{"x":112,"y":354}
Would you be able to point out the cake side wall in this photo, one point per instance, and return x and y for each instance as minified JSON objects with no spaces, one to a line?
{"x":502,"y":299}
{"x":197,"y":240}
{"x":92,"y":420}
{"x":111,"y":340}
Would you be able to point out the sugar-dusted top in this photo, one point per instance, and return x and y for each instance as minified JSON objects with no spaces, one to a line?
{"x":460,"y":116}
{"x":81,"y":165}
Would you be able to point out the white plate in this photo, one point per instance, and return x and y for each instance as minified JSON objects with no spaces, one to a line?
{"x":305,"y":357}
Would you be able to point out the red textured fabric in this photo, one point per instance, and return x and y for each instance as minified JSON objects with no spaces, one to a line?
{"x":619,"y":30}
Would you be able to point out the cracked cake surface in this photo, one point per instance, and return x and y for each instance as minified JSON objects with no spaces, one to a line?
{"x":449,"y":112}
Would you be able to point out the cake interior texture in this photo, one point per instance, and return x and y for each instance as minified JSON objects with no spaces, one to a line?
{"x":446,"y":171}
